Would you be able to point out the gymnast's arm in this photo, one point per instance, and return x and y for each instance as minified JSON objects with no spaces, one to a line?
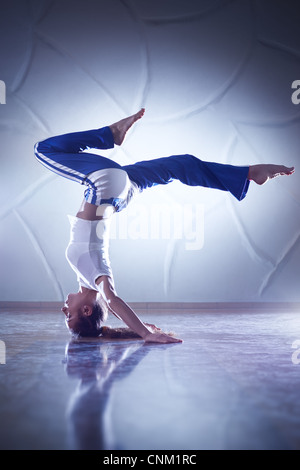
{"x":122,"y":311}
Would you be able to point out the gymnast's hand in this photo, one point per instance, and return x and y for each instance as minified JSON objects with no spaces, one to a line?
{"x":160,"y":337}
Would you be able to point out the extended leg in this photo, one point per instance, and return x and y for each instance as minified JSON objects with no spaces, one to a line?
{"x":195,"y":172}
{"x":191,"y":171}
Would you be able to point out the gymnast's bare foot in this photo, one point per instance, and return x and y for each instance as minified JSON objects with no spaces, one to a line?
{"x":120,"y":128}
{"x":260,"y":174}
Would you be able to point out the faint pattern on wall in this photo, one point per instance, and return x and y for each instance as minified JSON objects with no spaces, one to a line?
{"x":215,"y":78}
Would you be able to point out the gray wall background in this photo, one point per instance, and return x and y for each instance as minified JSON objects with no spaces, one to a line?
{"x":216,"y":79}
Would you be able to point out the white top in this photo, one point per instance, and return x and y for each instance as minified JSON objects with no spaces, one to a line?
{"x":87,"y":252}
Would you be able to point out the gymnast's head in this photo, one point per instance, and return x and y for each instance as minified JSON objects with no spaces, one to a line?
{"x":84,"y":314}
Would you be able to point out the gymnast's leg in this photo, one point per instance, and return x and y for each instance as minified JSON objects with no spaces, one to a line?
{"x":63,"y":154}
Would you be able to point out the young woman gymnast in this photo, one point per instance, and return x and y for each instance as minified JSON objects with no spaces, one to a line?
{"x":110,"y":187}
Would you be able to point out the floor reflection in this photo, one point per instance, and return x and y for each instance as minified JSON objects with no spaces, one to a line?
{"x":97,"y":365}
{"x":232,"y":384}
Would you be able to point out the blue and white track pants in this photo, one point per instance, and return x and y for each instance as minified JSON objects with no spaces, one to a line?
{"x":110,"y":183}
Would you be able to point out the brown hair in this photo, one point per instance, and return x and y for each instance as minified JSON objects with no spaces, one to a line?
{"x":90,"y":326}
{"x":120,"y":333}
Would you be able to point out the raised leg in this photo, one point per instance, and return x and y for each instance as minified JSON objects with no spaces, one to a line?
{"x":120,"y":128}
{"x":191,"y":171}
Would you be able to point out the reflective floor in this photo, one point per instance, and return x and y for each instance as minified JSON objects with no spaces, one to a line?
{"x":233,"y":384}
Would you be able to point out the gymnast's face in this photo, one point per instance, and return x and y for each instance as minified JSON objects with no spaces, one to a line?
{"x":72,"y":309}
